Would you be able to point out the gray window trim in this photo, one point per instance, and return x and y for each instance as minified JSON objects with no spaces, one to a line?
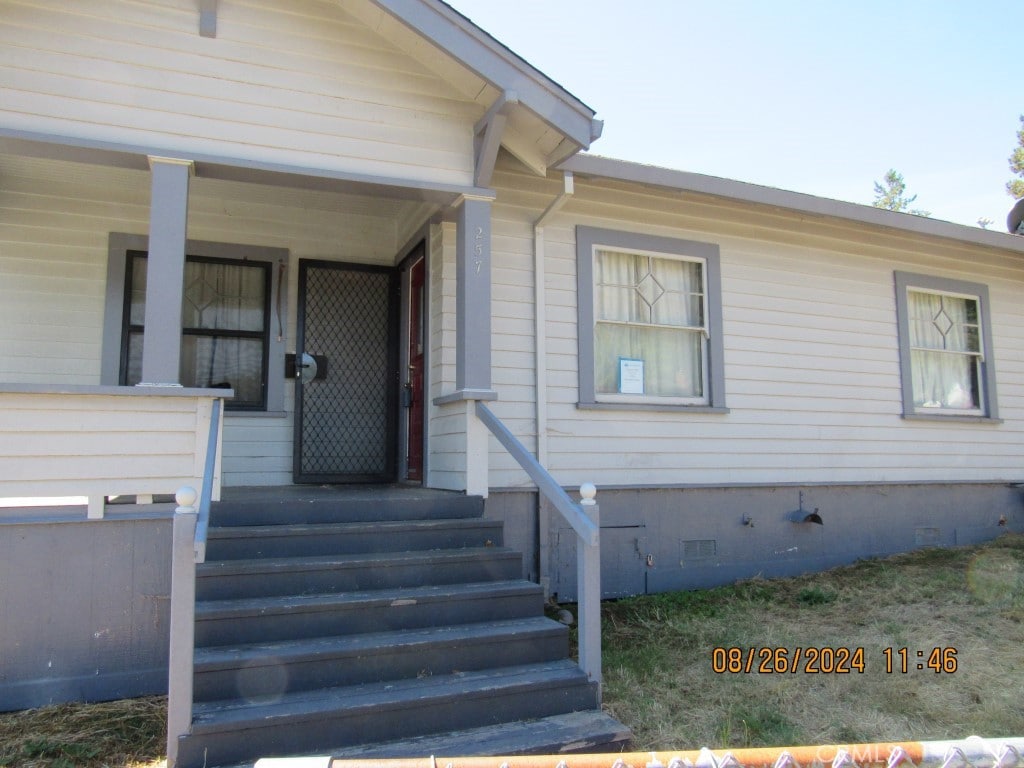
{"x":586,"y":239}
{"x":905,"y":280}
{"x":118,"y":246}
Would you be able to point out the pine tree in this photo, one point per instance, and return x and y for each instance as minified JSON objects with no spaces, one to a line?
{"x":892,"y":195}
{"x":1015,"y":187}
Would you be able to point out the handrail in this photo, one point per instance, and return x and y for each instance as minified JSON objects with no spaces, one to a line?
{"x":203,"y":518}
{"x":584,"y":519}
{"x":547,"y":485}
{"x":188,"y":547}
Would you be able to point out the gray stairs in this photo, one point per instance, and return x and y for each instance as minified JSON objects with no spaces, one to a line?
{"x":357,"y":627}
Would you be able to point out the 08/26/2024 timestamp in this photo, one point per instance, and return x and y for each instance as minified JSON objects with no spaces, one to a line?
{"x":837,"y":660}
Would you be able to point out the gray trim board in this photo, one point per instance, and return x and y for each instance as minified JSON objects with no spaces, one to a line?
{"x":224,"y":168}
{"x":586,"y":239}
{"x":118,"y":246}
{"x":684,"y":181}
{"x":487,"y":58}
{"x":208,"y":18}
{"x":905,"y":280}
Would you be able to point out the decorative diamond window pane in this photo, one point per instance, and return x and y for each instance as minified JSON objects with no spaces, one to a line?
{"x":224,"y":296}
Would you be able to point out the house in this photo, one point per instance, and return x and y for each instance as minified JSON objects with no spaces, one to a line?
{"x":373,"y":202}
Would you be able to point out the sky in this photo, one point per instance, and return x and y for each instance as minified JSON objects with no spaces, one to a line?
{"x":821,"y":97}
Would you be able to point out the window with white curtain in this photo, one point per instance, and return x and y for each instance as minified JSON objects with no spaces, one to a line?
{"x":649,"y":331}
{"x":945,"y":347}
{"x":225,"y":326}
{"x":649,"y":321}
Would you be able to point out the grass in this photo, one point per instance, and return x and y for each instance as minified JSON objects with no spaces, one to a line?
{"x":658,"y":665}
{"x":117,"y":734}
{"x":658,"y":651}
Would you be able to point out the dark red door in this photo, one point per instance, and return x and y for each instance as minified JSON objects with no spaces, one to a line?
{"x":417,"y":308}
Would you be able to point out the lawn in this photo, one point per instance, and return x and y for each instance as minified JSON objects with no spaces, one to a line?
{"x":660,"y":662}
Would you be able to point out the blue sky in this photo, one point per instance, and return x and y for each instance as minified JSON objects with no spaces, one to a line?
{"x":818,"y":97}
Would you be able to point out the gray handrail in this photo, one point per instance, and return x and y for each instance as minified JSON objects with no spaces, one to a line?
{"x":203,"y":518}
{"x":571,"y":511}
{"x":585,"y":520}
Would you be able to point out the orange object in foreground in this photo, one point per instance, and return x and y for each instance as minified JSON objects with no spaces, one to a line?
{"x":972,"y":752}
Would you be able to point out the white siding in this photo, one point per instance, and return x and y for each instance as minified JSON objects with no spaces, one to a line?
{"x":811,"y":353}
{"x":299,"y":83}
{"x":54,"y":222}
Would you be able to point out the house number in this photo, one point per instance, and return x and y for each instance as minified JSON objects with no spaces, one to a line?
{"x":478,"y":249}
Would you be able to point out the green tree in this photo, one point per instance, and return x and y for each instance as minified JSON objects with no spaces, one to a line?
{"x":1015,"y":187}
{"x":892,"y":195}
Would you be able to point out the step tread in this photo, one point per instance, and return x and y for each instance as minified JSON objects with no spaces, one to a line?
{"x":305,"y":706}
{"x":275,"y":653}
{"x":357,"y":560}
{"x":310,"y":529}
{"x":556,"y":734}
{"x":361,"y":599}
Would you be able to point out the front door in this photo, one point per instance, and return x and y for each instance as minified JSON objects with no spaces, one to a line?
{"x":414,"y":383}
{"x":346,"y":409}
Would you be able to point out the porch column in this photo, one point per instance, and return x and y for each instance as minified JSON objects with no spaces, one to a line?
{"x":168,"y":224}
{"x":473,"y":299}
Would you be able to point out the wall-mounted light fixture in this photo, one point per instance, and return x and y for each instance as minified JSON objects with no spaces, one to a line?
{"x":802,"y":515}
{"x":748,"y":521}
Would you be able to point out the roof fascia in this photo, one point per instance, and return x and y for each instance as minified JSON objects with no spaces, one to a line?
{"x":496,"y":64}
{"x":685,"y":181}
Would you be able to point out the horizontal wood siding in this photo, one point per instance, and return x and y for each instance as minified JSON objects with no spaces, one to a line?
{"x":299,"y":83}
{"x":811,"y":354}
{"x":80,"y":444}
{"x":55,"y":218}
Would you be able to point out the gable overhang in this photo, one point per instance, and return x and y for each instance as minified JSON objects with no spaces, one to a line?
{"x":507,"y":73}
{"x":682,"y":182}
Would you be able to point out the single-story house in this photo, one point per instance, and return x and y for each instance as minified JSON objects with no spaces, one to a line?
{"x":362,"y":218}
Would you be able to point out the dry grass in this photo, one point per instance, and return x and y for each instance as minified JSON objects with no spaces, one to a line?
{"x":658,"y":654}
{"x":658,"y":665}
{"x":117,"y":734}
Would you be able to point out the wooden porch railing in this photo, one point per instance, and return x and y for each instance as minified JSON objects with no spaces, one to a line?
{"x":99,"y":442}
{"x":585,"y":520}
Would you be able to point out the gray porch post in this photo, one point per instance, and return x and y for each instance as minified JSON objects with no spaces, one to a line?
{"x":473,"y":332}
{"x":168,"y":224}
{"x":473,"y":299}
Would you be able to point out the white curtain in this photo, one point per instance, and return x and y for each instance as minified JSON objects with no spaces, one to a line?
{"x":652,"y":310}
{"x":945,"y":341}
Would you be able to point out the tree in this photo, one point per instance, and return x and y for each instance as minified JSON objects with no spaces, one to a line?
{"x":892,"y":195}
{"x":1015,"y":187}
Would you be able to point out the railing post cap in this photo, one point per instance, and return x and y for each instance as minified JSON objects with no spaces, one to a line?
{"x":186,"y":497}
{"x":587,"y":493}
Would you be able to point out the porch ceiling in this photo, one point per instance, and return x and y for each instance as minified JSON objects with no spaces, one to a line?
{"x":115,"y":197}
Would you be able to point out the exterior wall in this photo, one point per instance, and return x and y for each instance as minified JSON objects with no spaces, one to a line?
{"x":84,"y":610}
{"x":660,"y":540}
{"x":55,"y":218}
{"x":812,"y":371}
{"x":300,"y":84}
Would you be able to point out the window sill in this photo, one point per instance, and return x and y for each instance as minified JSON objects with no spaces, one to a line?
{"x":951,"y":417}
{"x":662,"y":407}
{"x":254,"y":414}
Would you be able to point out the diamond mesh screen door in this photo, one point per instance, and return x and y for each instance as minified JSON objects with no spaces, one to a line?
{"x":346,"y":417}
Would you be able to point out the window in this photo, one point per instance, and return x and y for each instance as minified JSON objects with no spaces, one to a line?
{"x":234,"y":304}
{"x":945,"y":353}
{"x":649,"y":321}
{"x":225,"y":326}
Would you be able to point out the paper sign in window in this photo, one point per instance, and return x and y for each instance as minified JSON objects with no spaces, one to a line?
{"x":631,"y":376}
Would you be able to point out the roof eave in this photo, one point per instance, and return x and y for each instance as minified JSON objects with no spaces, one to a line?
{"x":685,"y":181}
